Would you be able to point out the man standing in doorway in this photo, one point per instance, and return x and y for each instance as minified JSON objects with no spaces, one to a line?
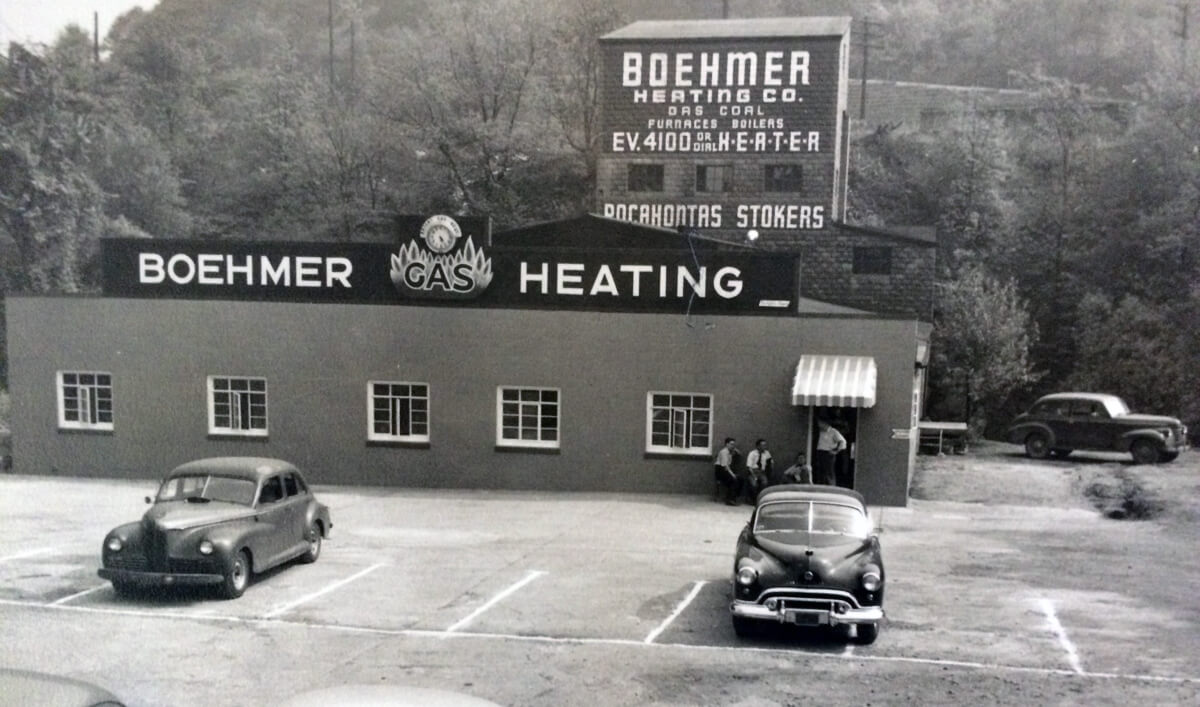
{"x":830,"y":443}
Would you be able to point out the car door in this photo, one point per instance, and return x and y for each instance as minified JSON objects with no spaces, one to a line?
{"x":274,"y":524}
{"x":297,"y":519}
{"x":1095,"y":425}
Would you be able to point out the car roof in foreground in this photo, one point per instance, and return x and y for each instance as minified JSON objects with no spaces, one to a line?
{"x":811,"y":492}
{"x":252,"y":468}
{"x":28,"y":687}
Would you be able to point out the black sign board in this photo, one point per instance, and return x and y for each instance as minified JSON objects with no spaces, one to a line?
{"x":449,"y":268}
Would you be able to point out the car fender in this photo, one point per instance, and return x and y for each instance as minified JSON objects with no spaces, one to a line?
{"x":318,"y":512}
{"x":1018,"y":433}
{"x":1128,"y":438}
{"x":230,"y":538}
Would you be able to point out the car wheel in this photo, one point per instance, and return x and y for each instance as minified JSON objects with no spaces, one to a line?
{"x":314,"y":544}
{"x":1062,"y":453}
{"x":865,"y":634}
{"x":1037,"y":445}
{"x":743,"y":627}
{"x":237,"y":576}
{"x":1144,"y":452}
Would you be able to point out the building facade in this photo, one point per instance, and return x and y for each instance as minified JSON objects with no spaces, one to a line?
{"x":439,"y":361}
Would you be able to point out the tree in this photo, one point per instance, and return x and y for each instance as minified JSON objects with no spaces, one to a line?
{"x":981,"y":346}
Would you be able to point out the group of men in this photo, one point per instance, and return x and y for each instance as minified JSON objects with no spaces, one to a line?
{"x":760,"y":465}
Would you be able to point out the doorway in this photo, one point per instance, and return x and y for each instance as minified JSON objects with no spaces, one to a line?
{"x":844,"y":420}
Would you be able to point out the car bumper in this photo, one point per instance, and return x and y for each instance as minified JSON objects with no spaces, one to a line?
{"x":807,"y":617}
{"x":158,"y":579}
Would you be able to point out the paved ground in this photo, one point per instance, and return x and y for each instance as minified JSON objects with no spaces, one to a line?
{"x":551,"y":599}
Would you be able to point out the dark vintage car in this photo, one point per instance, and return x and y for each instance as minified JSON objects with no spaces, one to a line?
{"x":216,"y":522}
{"x":1063,"y":422}
{"x":809,"y":556}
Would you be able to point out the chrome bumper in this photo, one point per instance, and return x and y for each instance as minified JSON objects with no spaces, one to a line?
{"x":158,"y":579}
{"x":807,"y":617}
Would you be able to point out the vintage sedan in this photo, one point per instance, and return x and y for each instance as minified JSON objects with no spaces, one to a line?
{"x":216,"y":522}
{"x":809,"y":556}
{"x":1060,"y":423}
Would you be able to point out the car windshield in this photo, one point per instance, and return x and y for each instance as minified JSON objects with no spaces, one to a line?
{"x":795,"y":518}
{"x":1116,"y":407}
{"x":199,"y":488}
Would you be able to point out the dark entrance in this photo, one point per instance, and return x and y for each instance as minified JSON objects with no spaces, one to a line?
{"x":844,"y":420}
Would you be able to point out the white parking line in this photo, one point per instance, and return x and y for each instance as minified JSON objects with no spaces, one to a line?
{"x":284,"y":608}
{"x":28,"y":553}
{"x":1061,"y":633}
{"x":494,"y":600}
{"x":678,"y":610}
{"x":584,"y":641}
{"x":76,"y":595}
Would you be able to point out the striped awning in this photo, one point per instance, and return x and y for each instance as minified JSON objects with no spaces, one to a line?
{"x":835,"y":381}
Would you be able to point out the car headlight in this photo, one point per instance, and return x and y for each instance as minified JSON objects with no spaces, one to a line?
{"x":872,"y":579}
{"x":206,"y":547}
{"x":746,"y":576}
{"x":114,"y":544}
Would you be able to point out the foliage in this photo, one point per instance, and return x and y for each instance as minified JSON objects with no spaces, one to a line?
{"x":1073,"y":227}
{"x":981,"y":344}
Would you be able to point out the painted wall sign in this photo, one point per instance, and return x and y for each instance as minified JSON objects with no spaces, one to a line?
{"x":411,"y":273}
{"x":759,"y":115}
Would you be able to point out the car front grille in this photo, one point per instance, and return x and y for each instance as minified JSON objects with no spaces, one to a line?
{"x":155,"y":544}
{"x":810,"y":599}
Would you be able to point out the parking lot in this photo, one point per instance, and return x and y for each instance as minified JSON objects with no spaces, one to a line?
{"x":548,"y":599}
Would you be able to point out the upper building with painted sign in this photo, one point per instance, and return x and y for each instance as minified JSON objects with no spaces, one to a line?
{"x":728,"y":126}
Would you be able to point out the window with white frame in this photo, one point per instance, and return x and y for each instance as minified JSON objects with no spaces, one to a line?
{"x":399,"y":411}
{"x":85,"y":400}
{"x":679,"y":423}
{"x":237,"y":406}
{"x":528,"y":417}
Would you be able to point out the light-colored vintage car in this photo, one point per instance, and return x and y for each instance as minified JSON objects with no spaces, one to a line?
{"x":216,"y":522}
{"x":809,"y":556}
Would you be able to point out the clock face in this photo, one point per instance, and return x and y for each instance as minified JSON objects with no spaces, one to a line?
{"x":440,"y":233}
{"x":440,"y":239}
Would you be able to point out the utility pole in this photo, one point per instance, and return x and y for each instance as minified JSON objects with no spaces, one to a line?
{"x":867,"y":25}
{"x":332,"y":85}
{"x":1184,"y":9}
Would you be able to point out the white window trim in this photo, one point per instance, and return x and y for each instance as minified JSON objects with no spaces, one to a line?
{"x":237,"y":432}
{"x":374,"y":436}
{"x":63,"y":422}
{"x":501,"y":441}
{"x":652,"y":448}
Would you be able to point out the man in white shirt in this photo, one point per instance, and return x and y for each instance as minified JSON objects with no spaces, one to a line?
{"x":724,"y":473}
{"x":758,"y":468}
{"x":830,"y":443}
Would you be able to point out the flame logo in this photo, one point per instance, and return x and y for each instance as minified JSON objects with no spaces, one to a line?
{"x":464,"y":274}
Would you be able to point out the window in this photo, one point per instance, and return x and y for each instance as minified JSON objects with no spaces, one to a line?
{"x":783,"y":177}
{"x":289,"y":484}
{"x":527,"y":417}
{"x":85,"y":400}
{"x":645,"y":177}
{"x":272,"y":490}
{"x":872,"y":260}
{"x":237,"y":406}
{"x":714,"y":178}
{"x":399,"y":411}
{"x":679,"y":423}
